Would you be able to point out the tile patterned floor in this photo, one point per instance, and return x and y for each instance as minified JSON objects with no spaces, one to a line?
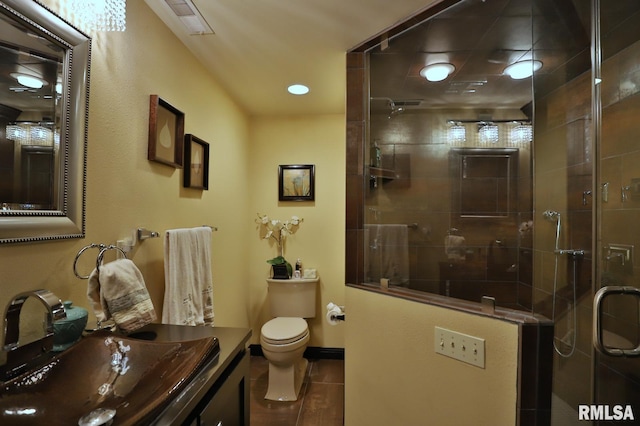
{"x":321,"y":401}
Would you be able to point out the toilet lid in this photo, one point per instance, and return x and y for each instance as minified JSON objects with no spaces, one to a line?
{"x":284,"y":330}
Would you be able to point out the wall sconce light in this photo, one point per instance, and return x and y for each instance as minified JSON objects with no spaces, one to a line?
{"x":488,"y":132}
{"x":521,"y":133}
{"x":33,"y":133}
{"x":522,"y":69}
{"x":437,"y":72}
{"x":457,"y":133}
{"x":99,"y":15}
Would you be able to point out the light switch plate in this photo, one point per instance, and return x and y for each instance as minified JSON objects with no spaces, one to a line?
{"x":459,"y":346}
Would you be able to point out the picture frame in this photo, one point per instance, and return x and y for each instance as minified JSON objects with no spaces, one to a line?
{"x":296,"y":182}
{"x":196,"y":163}
{"x":166,"y":133}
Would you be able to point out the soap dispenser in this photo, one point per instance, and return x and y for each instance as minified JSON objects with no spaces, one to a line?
{"x":298,"y":271}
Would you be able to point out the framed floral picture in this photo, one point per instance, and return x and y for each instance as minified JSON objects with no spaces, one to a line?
{"x":166,"y":133}
{"x":296,"y":182}
{"x":196,"y":167}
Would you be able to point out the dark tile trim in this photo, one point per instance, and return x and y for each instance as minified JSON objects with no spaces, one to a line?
{"x":506,"y":314}
{"x":312,"y":352}
{"x":535,"y":372}
{"x":409,"y":22}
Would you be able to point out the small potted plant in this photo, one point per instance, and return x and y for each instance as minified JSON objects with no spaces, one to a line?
{"x":276,"y":230}
{"x":282,"y":269}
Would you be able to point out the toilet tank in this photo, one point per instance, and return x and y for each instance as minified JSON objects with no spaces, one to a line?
{"x":293,"y":298}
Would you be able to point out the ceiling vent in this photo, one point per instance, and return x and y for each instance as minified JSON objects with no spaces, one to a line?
{"x":190,"y":17}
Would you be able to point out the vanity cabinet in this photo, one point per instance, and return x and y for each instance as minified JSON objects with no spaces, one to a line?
{"x":227,"y":402}
{"x":218,"y":395}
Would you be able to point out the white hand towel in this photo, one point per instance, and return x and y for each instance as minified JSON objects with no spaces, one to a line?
{"x":188,"y":294}
{"x":454,"y":246}
{"x":388,"y":253}
{"x":117,"y":289}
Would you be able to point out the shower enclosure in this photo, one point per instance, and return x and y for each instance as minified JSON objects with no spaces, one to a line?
{"x":526,"y":188}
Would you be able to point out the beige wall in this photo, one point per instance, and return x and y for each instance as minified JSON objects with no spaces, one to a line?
{"x":319,"y":241}
{"x":394,"y":377}
{"x":125,"y":190}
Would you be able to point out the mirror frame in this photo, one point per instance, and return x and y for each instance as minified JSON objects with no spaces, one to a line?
{"x":457,"y":158}
{"x":68,"y":221}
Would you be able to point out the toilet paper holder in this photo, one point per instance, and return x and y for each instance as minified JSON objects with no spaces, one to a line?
{"x":335,"y":312}
{"x":337,"y":317}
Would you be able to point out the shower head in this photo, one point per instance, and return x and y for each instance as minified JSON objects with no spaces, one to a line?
{"x":551,"y":215}
{"x":390,"y":103}
{"x":395,"y":110}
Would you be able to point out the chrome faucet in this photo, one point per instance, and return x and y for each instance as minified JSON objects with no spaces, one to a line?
{"x":20,"y":357}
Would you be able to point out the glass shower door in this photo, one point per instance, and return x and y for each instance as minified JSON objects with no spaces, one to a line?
{"x":616,"y":332}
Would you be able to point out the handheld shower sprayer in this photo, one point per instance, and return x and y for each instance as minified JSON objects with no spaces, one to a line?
{"x":554,"y":216}
{"x":551,"y":215}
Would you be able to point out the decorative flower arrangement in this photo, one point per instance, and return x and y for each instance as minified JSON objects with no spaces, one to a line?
{"x":276,"y":230}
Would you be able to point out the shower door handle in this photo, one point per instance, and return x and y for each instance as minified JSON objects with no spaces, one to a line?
{"x":598,"y":341}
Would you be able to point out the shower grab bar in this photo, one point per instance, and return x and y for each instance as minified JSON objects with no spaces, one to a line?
{"x":570,"y":252}
{"x":598,"y":341}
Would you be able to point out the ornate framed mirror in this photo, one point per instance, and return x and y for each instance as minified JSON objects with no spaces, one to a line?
{"x":44,"y":99}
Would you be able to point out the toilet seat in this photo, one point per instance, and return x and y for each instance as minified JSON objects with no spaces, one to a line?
{"x":284,"y":330}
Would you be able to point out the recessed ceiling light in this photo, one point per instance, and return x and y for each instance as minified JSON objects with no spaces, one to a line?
{"x":27,"y":80}
{"x":522,"y":69}
{"x":298,"y":89}
{"x":437,"y":72}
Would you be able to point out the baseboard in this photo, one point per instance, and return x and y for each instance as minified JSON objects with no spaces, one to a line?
{"x":310,"y":353}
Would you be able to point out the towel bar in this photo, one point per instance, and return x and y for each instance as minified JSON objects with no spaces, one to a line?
{"x":144,"y":233}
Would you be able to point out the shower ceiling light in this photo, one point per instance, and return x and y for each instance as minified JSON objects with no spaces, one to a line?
{"x":522,"y":69}
{"x":437,"y":72}
{"x":27,"y":80}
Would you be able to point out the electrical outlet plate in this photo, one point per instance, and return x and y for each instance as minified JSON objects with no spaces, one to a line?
{"x":459,"y":346}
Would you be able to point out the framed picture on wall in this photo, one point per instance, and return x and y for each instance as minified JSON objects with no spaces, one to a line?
{"x":296,"y":182}
{"x":196,"y":163}
{"x":166,"y":133}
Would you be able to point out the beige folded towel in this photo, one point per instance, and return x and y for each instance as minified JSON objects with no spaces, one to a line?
{"x":118,"y":290}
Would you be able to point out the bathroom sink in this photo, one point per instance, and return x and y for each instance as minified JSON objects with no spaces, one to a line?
{"x":104,"y":372}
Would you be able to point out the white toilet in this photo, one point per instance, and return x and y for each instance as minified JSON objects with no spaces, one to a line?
{"x":285,"y":337}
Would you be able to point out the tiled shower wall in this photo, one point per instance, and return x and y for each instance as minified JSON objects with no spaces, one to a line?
{"x":415,"y":146}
